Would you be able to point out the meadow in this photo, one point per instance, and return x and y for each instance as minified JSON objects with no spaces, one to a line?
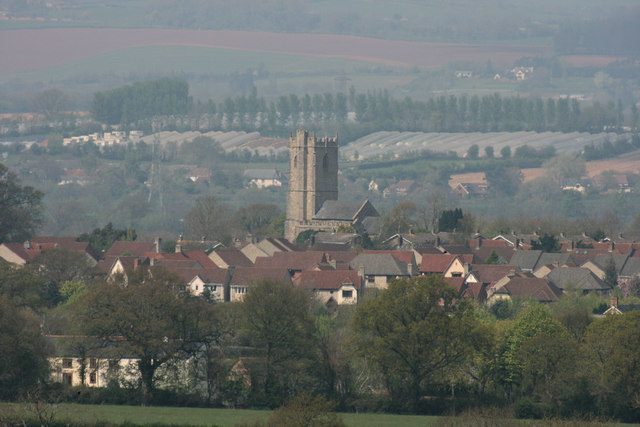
{"x":74,"y":414}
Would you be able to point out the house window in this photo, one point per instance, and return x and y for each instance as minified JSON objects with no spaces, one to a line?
{"x":67,"y":363}
{"x":371,"y":279}
{"x":92,"y":377}
{"x":197,"y":287}
{"x":347,"y":294}
{"x":93,"y":363}
{"x":456,"y":274}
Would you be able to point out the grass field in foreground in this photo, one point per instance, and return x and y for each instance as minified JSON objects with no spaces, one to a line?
{"x":118,"y":414}
{"x":88,"y":414}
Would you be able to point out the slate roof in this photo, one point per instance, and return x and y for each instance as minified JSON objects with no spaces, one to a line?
{"x":261,"y":174}
{"x":327,"y":280}
{"x":559,"y":259}
{"x":525,"y":260}
{"x":379,"y":265}
{"x":603,"y":259}
{"x":339,"y":210}
{"x":631,"y":267}
{"x":233,"y":256}
{"x":576,"y":278}
{"x":406,"y":257}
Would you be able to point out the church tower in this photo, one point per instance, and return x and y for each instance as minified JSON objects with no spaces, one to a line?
{"x":313,"y":178}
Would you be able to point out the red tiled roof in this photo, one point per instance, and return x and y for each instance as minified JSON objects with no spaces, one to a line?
{"x":293,"y":260}
{"x":488,"y":273}
{"x":327,"y":279}
{"x":477,"y":291}
{"x":39,"y":244}
{"x":436,"y":263}
{"x":122,"y":247}
{"x":455,"y":282}
{"x":484,"y":252}
{"x":244,"y":276}
{"x":531,"y":287}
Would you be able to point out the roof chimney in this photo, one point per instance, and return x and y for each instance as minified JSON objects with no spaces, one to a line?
{"x":614,"y":302}
{"x":27,"y":244}
{"x":158,"y":244}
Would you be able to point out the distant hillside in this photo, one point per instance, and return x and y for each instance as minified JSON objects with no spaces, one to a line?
{"x":436,"y":20}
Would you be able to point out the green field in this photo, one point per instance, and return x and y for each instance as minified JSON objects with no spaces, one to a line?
{"x":91,"y":414}
{"x":136,"y":415}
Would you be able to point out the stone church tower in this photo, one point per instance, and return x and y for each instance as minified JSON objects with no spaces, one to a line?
{"x":313,"y":179}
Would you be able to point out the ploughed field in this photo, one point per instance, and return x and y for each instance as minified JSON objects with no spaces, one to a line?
{"x":33,"y":49}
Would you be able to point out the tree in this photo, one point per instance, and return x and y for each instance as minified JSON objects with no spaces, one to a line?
{"x":277,"y":322}
{"x":21,"y":208}
{"x":257,"y":217}
{"x":611,"y":273}
{"x":473,"y":152}
{"x":612,"y":355}
{"x":101,"y":239}
{"x":151,"y":319}
{"x":546,"y":243}
{"x":401,"y":218}
{"x":565,"y":167}
{"x":533,"y":321}
{"x":503,"y":179}
{"x":22,"y":287}
{"x":51,"y":102}
{"x":449,"y":219}
{"x":417,"y":333}
{"x":488,"y":152}
{"x":505,"y":152}
{"x":209,"y":219}
{"x":494,"y":258}
{"x":23,"y":350}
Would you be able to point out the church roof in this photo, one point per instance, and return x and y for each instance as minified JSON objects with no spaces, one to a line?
{"x":340,"y":210}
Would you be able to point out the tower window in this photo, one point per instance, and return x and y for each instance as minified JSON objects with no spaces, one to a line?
{"x":295,"y":161}
{"x":325,"y":162}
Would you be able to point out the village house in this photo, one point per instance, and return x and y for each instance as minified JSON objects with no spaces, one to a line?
{"x":522,"y":286}
{"x":401,"y":188}
{"x":266,"y":248}
{"x":227,"y":257}
{"x":378,"y":269}
{"x":447,"y":265}
{"x":23,"y":253}
{"x":200,"y":175}
{"x":471,"y":189}
{"x":263,"y":178}
{"x":86,"y":361}
{"x":331,"y":287}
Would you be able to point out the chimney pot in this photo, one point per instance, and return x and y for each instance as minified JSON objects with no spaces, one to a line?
{"x":158,"y":244}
